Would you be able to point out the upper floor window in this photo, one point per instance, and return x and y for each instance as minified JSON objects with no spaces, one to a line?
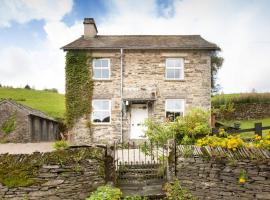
{"x":101,"y":111}
{"x":174,"y":69}
{"x":101,"y":68}
{"x":174,"y":108}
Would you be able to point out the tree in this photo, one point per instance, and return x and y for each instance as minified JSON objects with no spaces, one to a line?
{"x":27,"y":87}
{"x":216,"y":64}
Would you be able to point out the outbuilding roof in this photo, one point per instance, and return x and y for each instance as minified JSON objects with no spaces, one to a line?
{"x":27,"y":109}
{"x":192,"y":42}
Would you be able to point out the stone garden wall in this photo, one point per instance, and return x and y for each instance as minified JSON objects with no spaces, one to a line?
{"x":217,"y":177}
{"x":250,"y":111}
{"x":67,"y":174}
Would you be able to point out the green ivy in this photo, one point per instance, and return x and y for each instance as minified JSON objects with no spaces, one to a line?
{"x":9,"y":125}
{"x":79,"y":86}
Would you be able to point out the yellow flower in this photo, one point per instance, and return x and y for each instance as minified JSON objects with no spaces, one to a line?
{"x":242,"y":180}
{"x":257,"y":137}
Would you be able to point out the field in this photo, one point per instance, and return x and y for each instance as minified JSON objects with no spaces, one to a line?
{"x":240,"y":98}
{"x":50,"y":103}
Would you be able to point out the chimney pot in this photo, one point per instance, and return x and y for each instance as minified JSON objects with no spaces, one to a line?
{"x":90,"y":29}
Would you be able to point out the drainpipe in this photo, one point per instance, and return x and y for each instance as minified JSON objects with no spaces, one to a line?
{"x":121,"y":93}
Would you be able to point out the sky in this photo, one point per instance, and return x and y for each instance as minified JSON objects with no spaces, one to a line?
{"x":33,"y":31}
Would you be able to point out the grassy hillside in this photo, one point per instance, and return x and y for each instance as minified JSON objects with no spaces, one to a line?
{"x":50,"y":103}
{"x":240,"y":98}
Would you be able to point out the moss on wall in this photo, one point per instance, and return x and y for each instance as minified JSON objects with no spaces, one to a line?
{"x":10,"y":124}
{"x":79,"y":86}
{"x":22,"y":170}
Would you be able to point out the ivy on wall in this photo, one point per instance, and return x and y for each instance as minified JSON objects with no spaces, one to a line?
{"x":79,"y":86}
{"x":9,"y":125}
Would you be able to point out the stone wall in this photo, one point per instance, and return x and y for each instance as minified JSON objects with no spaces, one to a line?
{"x":218,"y":178}
{"x":250,"y":111}
{"x":143,"y":76}
{"x":69,"y":174}
{"x":22,"y":129}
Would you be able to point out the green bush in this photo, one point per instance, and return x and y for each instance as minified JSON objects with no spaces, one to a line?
{"x":185,"y":129}
{"x":106,"y":193}
{"x":174,"y":191}
{"x":9,"y":125}
{"x":60,"y":145}
{"x":135,"y":198}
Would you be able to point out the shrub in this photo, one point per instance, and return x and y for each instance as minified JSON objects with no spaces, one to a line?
{"x":106,"y":193}
{"x":135,"y":198}
{"x":185,"y":129}
{"x":174,"y":191}
{"x":230,"y":142}
{"x":60,"y":145}
{"x":9,"y":125}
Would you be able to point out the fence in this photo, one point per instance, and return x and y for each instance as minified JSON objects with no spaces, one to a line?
{"x":258,"y":128}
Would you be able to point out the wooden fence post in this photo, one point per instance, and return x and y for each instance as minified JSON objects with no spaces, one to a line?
{"x":258,"y":129}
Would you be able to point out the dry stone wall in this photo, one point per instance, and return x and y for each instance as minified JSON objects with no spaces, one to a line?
{"x":218,"y":178}
{"x":68,"y":178}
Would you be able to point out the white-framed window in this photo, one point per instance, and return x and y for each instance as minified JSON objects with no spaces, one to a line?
{"x":101,"y":111}
{"x":174,"y":69}
{"x":101,"y":69}
{"x":174,"y":108}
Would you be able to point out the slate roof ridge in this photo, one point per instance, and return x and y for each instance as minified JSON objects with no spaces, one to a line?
{"x":27,"y":109}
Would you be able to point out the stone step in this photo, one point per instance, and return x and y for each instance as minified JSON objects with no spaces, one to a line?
{"x":139,"y":183}
{"x":147,"y":191}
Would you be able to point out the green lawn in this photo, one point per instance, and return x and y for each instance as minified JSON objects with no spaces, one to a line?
{"x":250,"y":124}
{"x":50,"y":103}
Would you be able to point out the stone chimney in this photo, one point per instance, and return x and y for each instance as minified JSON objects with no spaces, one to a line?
{"x":90,"y":29}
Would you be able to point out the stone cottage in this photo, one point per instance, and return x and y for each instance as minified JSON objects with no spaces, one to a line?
{"x":21,"y":124}
{"x":141,"y":76}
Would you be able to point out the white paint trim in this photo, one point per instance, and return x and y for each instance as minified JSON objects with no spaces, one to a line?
{"x":181,"y":68}
{"x":109,"y":67}
{"x":110,"y":110}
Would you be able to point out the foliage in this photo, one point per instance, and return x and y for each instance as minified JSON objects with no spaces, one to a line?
{"x":194,"y":124}
{"x":106,"y":193}
{"x":241,"y":98}
{"x":27,"y":87}
{"x":185,"y":129}
{"x":225,"y":110}
{"x":50,"y":103}
{"x":230,"y":142}
{"x":216,"y":64}
{"x":174,"y":191}
{"x":60,"y":145}
{"x":9,"y":125}
{"x":158,"y":132}
{"x":21,"y":172}
{"x":242,"y":176}
{"x":79,"y":86}
{"x":260,"y":142}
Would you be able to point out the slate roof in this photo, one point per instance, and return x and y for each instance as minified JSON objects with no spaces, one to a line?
{"x":142,"y":42}
{"x":27,"y":109}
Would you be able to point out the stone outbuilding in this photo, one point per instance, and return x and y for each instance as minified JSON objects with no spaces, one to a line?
{"x":141,"y":76}
{"x":21,"y":124}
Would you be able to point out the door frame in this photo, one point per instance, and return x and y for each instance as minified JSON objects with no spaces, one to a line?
{"x":130,"y":124}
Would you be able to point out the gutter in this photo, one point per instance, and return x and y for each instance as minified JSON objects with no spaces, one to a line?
{"x":121,"y":93}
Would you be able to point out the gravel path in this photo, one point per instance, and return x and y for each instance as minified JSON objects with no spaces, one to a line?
{"x":26,"y":148}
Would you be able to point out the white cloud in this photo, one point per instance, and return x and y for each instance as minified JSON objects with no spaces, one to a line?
{"x":22,"y":11}
{"x":240,"y":30}
{"x":230,"y":24}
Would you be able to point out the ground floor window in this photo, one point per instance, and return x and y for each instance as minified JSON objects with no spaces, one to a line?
{"x":101,"y":111}
{"x":174,"y":108}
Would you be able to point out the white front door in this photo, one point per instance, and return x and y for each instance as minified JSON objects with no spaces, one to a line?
{"x":139,"y":113}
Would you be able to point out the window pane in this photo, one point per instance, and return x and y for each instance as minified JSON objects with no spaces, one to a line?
{"x":177,"y":63}
{"x":169,"y":63}
{"x":101,"y":105}
{"x":97,"y":73}
{"x":105,"y":73}
{"x":170,"y":73}
{"x":105,"y":63}
{"x":178,"y":73}
{"x":101,"y":116}
{"x":174,"y":105}
{"x":97,"y":63}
